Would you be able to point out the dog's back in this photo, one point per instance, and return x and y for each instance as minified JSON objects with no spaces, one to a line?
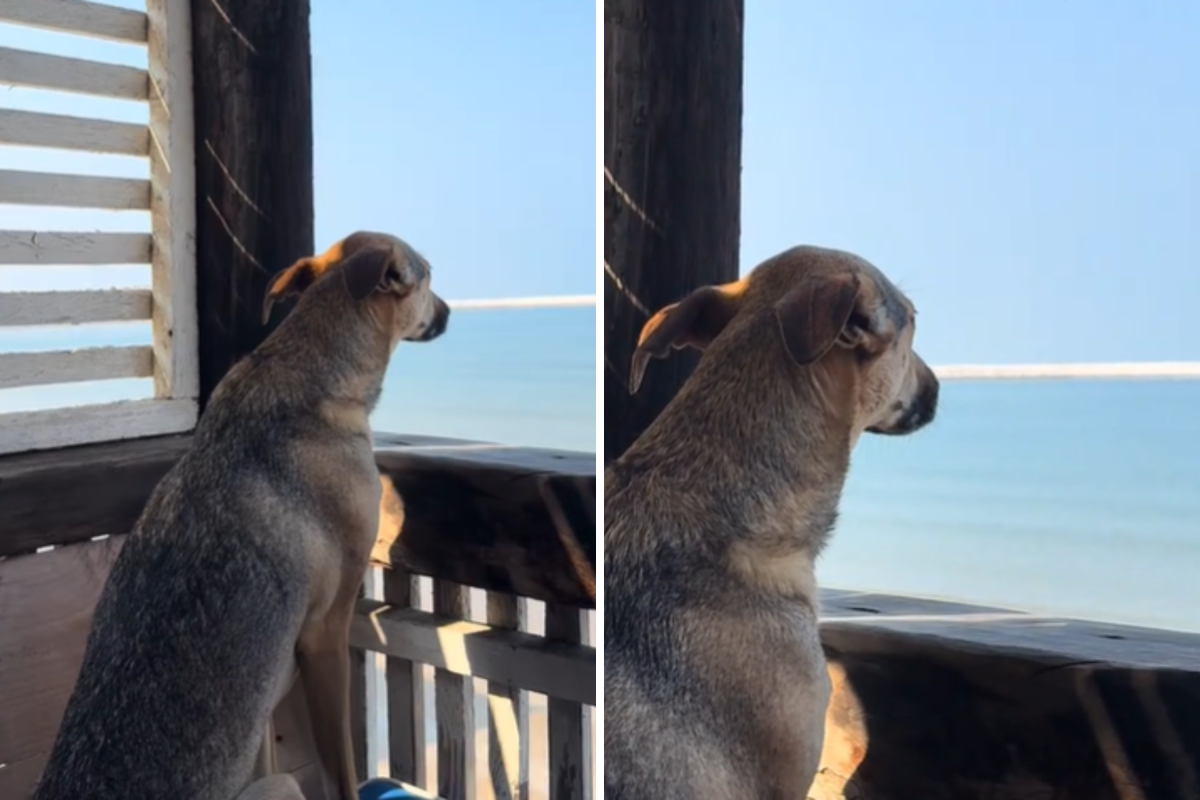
{"x":684,"y":690}
{"x":171,"y":699}
{"x":715,"y":681}
{"x":242,"y":571}
{"x":200,"y":613}
{"x":654,"y":696}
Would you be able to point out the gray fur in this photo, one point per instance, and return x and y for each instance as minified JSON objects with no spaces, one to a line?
{"x":234,"y":561}
{"x":715,"y":682}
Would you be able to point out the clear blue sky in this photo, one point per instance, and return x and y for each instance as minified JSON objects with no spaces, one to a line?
{"x":466,"y":128}
{"x":1028,"y":171}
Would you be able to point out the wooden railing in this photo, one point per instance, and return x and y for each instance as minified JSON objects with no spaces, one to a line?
{"x":167,"y":193}
{"x":527,"y":733}
{"x":949,"y":701}
{"x":516,"y":524}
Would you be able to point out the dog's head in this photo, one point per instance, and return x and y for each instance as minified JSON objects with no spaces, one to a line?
{"x":824,"y":307}
{"x":382,"y":272}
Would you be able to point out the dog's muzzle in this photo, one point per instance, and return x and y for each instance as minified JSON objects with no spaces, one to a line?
{"x":436,"y":326}
{"x":918,"y":414}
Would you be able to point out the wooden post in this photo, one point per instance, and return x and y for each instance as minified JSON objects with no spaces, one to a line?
{"x":568,"y":726}
{"x":672,"y":159}
{"x":254,"y":174}
{"x":405,"y":693}
{"x":508,"y":710}
{"x":454,"y":706}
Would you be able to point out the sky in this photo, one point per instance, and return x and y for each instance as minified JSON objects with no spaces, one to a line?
{"x":467,"y":129}
{"x":1029,"y":172}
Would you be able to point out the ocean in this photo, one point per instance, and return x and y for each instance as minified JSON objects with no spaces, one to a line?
{"x":516,"y":376}
{"x":1064,"y":497}
{"x":1073,"y":498}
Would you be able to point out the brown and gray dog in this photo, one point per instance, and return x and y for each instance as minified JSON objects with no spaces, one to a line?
{"x":715,"y":685}
{"x":246,"y":562}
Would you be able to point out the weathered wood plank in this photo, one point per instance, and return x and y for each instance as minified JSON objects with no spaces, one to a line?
{"x":173,"y":201}
{"x":569,"y":733}
{"x":508,"y":711}
{"x":46,"y":603}
{"x":71,"y":366}
{"x":554,"y":668}
{"x":945,"y":701}
{"x":42,"y":247}
{"x":454,"y":703}
{"x":74,"y":16}
{"x":64,"y":427}
{"x":375,"y":743}
{"x":253,"y":113}
{"x":510,"y":519}
{"x":477,"y":514}
{"x":18,"y":778}
{"x":43,"y":71}
{"x":72,"y":308}
{"x":73,"y":191}
{"x":406,"y":693}
{"x":34,"y":129}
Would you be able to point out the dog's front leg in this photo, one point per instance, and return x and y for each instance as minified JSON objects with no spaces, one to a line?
{"x":323,"y":656}
{"x":267,"y":763}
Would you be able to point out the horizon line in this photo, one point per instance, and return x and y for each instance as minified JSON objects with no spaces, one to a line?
{"x":549,"y":301}
{"x":1119,"y":369}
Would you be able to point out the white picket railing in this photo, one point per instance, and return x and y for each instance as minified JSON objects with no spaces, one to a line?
{"x":167,"y":192}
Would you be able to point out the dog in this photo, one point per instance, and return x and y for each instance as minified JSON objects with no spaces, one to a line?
{"x":715,"y":685}
{"x":243,"y":570}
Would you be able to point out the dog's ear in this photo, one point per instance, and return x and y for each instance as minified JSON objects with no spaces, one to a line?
{"x":377,"y":269}
{"x":366,"y":270}
{"x":692,"y":322}
{"x":292,"y":281}
{"x":813,"y":315}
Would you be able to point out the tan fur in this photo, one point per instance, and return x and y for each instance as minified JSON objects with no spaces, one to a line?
{"x":715,"y":682}
{"x":255,"y":545}
{"x":787,"y":573}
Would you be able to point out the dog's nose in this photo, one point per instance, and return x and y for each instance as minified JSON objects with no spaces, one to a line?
{"x":440,"y":322}
{"x":925,"y":409}
{"x":436,"y":326}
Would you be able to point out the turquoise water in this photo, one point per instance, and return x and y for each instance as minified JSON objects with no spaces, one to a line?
{"x":520,"y":376}
{"x":1078,"y":498}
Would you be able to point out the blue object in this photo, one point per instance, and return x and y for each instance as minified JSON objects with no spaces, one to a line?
{"x":386,"y":789}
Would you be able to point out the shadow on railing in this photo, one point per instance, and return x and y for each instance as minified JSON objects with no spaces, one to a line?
{"x":470,"y":693}
{"x":489,"y":659}
{"x":466,"y":708}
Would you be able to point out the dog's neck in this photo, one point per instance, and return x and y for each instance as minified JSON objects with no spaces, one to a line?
{"x":764,"y":446}
{"x":334,"y":351}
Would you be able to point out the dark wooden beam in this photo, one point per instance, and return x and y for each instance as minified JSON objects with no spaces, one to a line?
{"x":60,"y":497}
{"x":510,"y":520}
{"x":254,"y":166}
{"x":672,"y":157}
{"x":505,"y":519}
{"x":945,"y":701}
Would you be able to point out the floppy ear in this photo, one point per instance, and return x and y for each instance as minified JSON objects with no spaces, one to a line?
{"x":293,"y":280}
{"x":376,"y":268}
{"x":366,"y":270}
{"x":693,"y":322}
{"x":812,"y":315}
